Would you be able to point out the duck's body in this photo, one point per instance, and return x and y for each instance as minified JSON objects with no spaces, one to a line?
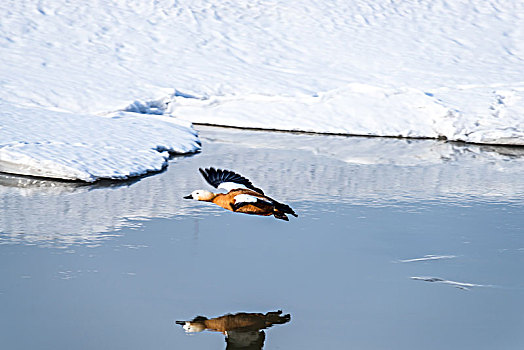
{"x":231,"y":202}
{"x":241,"y":197}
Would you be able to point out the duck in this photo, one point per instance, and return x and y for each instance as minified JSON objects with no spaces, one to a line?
{"x":242,"y":330}
{"x":241,"y":197}
{"x":246,"y":321}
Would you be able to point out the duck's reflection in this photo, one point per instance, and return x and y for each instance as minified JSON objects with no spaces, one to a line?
{"x":242,"y":330}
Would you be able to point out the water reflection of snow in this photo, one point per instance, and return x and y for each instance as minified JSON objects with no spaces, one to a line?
{"x":304,"y":170}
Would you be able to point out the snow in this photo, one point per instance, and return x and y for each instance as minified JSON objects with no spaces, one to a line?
{"x":71,"y":146}
{"x":432,"y":68}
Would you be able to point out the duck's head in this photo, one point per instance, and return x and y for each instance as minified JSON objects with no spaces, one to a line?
{"x":193,"y":327}
{"x":197,"y":325}
{"x":201,"y":195}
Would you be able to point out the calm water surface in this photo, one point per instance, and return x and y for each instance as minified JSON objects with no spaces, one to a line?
{"x":398,"y":245}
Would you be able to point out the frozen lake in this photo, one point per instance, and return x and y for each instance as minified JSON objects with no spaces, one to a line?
{"x":398,"y":245}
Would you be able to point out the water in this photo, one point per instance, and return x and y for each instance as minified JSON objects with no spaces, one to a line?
{"x":398,"y":245}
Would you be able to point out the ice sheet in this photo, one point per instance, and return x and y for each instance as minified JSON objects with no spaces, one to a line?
{"x":71,"y":146}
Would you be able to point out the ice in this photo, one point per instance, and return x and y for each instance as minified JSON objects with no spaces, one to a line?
{"x":71,"y":146}
{"x":459,"y":285}
{"x":428,"y":257}
{"x":430,"y":69}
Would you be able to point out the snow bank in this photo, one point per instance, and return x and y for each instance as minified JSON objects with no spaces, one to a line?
{"x":431,"y":68}
{"x":71,"y":146}
{"x":476,"y":115}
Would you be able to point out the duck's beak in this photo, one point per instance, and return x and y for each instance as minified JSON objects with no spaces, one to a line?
{"x":189,"y":197}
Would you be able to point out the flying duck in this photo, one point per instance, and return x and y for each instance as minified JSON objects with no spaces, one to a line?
{"x":240,"y":321}
{"x":242,"y":196}
{"x":243,"y":330}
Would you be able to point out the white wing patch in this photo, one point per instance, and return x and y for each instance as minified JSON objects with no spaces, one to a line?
{"x":228,"y":186}
{"x":247,"y":198}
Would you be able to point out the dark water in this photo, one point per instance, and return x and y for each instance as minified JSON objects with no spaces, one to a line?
{"x":398,"y":245}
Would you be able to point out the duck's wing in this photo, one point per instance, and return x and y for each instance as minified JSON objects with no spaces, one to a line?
{"x":243,"y":199}
{"x":247,"y":198}
{"x":227,"y":180}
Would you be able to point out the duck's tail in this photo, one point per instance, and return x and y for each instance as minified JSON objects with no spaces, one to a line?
{"x":281,"y":210}
{"x":280,"y":215}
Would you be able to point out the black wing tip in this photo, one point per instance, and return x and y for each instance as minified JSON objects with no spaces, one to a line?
{"x":217,"y":176}
{"x":256,"y":189}
{"x":208,"y":173}
{"x":292,"y":212}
